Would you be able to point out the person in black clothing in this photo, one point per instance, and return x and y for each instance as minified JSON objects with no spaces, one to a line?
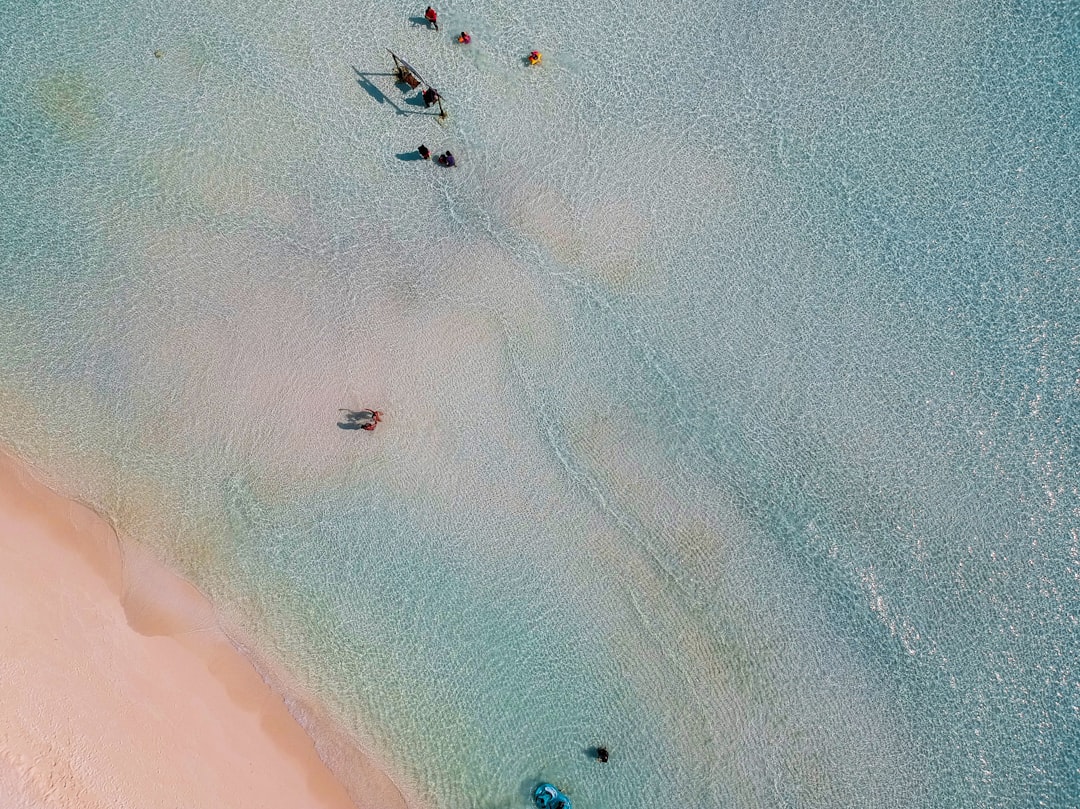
{"x":424,"y":152}
{"x":431,"y":96}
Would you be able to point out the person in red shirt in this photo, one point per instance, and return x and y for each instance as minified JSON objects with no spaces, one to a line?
{"x":432,"y":17}
{"x":376,"y":417}
{"x":365,"y":419}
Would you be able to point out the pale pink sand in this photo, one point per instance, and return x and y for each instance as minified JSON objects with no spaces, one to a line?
{"x":118,"y":689}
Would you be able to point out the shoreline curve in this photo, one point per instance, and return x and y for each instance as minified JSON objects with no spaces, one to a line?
{"x":125,"y":690}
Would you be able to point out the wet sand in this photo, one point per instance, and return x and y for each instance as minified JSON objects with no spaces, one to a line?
{"x":119,"y":689}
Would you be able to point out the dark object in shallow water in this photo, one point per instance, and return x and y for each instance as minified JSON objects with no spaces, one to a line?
{"x":602,"y":755}
{"x":424,"y":152}
{"x":546,"y":796}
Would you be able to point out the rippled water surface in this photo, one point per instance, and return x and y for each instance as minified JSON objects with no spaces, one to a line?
{"x":731,"y":380}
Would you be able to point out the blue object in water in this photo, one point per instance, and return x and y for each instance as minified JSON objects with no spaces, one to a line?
{"x":547,"y":796}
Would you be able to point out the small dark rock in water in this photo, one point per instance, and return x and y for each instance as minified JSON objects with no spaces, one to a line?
{"x":159,"y":53}
{"x":602,"y":755}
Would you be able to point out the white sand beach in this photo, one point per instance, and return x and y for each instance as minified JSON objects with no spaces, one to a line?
{"x":120,"y":689}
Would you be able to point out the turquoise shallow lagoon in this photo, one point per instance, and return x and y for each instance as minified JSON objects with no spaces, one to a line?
{"x":731,"y":380}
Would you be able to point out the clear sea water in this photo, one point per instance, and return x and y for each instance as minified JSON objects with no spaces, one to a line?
{"x":732,"y":380}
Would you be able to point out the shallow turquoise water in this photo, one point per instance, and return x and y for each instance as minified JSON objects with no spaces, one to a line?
{"x":731,"y":380}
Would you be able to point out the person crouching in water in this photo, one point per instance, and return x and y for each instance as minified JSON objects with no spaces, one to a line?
{"x":431,"y":96}
{"x":447,"y":160}
{"x":367,"y":419}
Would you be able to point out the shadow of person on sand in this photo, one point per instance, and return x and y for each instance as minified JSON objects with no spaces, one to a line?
{"x":378,"y":95}
{"x":372,"y":90}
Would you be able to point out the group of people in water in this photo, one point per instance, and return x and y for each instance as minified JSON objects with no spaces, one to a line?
{"x":368,"y":419}
{"x":431,"y":95}
{"x":464,"y":38}
{"x":432,"y":17}
{"x":445,"y":159}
